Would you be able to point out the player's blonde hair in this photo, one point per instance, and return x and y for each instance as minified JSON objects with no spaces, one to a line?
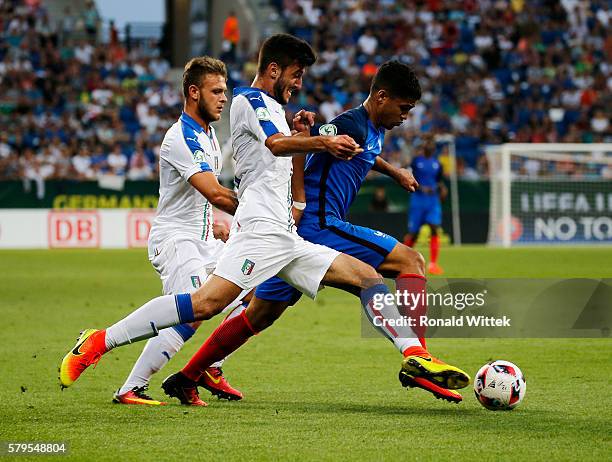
{"x":197,"y":68}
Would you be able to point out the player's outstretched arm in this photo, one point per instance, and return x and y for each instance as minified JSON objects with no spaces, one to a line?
{"x":341,"y":146}
{"x":219,"y":196}
{"x":401,"y":175}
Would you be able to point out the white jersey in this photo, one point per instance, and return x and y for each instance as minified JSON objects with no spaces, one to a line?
{"x":182,"y":210}
{"x":263,"y":180}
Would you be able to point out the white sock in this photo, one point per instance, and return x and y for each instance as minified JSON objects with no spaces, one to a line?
{"x":235,"y":312}
{"x":149,"y":319}
{"x":378,"y":308}
{"x":155,"y":355}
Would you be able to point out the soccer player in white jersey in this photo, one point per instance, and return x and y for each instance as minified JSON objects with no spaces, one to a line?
{"x":182,"y":248}
{"x":263,"y":241}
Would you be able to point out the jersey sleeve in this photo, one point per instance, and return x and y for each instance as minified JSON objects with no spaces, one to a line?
{"x":251,"y":114}
{"x":344,"y":124}
{"x":187,"y":156}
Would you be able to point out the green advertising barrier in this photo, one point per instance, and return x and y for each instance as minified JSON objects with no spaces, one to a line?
{"x":473,"y":198}
{"x":79,"y":195}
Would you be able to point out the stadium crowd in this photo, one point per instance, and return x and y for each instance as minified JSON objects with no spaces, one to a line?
{"x":492,"y":71}
{"x":72,"y":107}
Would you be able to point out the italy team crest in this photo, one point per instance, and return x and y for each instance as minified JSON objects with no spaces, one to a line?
{"x":247,"y":267}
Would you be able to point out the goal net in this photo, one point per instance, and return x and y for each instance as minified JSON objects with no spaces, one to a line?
{"x":550,"y":194}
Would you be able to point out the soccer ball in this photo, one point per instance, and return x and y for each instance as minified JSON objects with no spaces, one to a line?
{"x":500,"y":386}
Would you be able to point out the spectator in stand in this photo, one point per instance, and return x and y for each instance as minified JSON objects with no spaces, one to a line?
{"x":330,"y":108}
{"x":140,"y":167}
{"x":117,"y":161}
{"x":81,"y":163}
{"x":91,"y":20}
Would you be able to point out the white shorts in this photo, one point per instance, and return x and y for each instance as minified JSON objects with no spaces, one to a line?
{"x":184,"y":263}
{"x":258,"y":251}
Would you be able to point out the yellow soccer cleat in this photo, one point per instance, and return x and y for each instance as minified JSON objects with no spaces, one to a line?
{"x":88,"y":350}
{"x":419,"y":363}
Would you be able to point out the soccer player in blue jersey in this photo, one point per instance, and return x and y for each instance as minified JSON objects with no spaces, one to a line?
{"x":425,"y":204}
{"x":323,"y":197}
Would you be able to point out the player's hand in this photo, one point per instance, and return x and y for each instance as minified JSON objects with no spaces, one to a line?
{"x":221,"y":231}
{"x":406,"y":180}
{"x":443,"y":192}
{"x":341,"y":146}
{"x":297,"y":215}
{"x":303,"y":120}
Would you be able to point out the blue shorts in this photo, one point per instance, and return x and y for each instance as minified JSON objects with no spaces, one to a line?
{"x":365,"y":244}
{"x":424,"y":210}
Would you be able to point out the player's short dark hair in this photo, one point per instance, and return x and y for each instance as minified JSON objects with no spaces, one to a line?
{"x":397,"y":79}
{"x":285,"y":50}
{"x":197,"y":68}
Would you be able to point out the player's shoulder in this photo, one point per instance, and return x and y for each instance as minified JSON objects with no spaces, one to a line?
{"x":248,"y":100}
{"x":173,"y":136}
{"x":251,"y":97}
{"x":353,"y":122}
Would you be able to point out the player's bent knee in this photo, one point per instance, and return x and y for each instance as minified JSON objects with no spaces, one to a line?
{"x":419,"y":260}
{"x":411,"y":261}
{"x":263,"y":313}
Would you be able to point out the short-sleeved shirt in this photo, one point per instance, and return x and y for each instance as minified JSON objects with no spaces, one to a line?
{"x":331,"y":184}
{"x":262,"y":179}
{"x":428,"y":172}
{"x":182,"y":210}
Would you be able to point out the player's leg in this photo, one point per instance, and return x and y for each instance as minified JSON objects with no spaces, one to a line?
{"x":146,"y":322}
{"x":267,"y":251}
{"x":434,"y":250}
{"x":415,"y":221}
{"x":433,"y":219}
{"x":155,"y":355}
{"x":407,"y":266}
{"x":230,"y":335}
{"x":181,"y":265}
{"x":371,"y":248}
{"x":213,"y":378}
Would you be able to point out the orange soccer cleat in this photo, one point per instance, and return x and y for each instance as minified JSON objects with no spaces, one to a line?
{"x":213,"y":380}
{"x":88,"y":350}
{"x":136,"y":395}
{"x":434,"y":268}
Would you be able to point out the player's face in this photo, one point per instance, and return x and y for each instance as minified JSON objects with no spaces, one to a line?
{"x":290,"y":80}
{"x":211,"y":97}
{"x":394,"y":111}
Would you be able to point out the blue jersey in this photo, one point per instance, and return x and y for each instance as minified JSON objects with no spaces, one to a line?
{"x":331,"y":184}
{"x":428,"y":172}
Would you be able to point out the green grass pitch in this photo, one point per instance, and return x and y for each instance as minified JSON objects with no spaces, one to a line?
{"x":314,"y":389}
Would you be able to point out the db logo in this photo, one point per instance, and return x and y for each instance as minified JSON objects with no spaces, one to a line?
{"x":74,"y":229}
{"x":138,"y":227}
